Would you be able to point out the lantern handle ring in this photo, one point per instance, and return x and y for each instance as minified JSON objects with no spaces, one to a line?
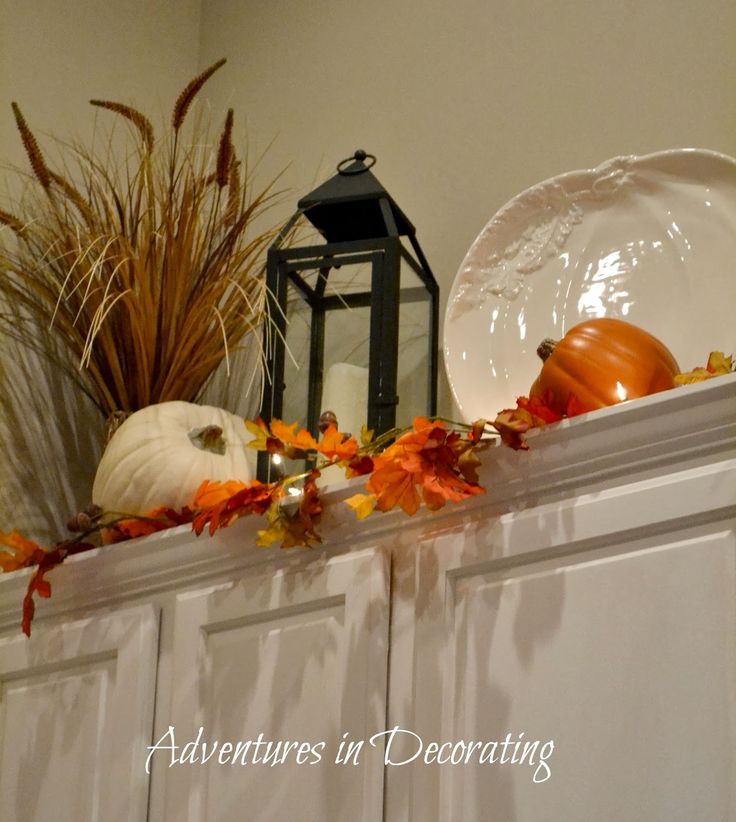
{"x":361,"y":156}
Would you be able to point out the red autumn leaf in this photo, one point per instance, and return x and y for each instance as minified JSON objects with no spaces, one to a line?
{"x":39,"y":585}
{"x":359,"y":467}
{"x":530,"y":412}
{"x":310,"y":504}
{"x":264,"y":440}
{"x":539,"y":408}
{"x":574,"y":407}
{"x":512,"y":424}
{"x":295,"y":528}
{"x":302,"y":527}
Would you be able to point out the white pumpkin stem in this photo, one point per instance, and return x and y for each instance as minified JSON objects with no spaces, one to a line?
{"x":114,"y":420}
{"x":209,"y":438}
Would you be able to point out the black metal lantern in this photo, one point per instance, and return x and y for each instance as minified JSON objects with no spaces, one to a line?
{"x":354,"y":319}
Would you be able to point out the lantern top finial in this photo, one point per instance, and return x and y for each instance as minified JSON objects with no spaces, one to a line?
{"x":356,"y":164}
{"x":353,"y":205}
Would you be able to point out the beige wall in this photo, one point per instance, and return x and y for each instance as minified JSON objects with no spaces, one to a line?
{"x":468,"y":103}
{"x":55,"y":56}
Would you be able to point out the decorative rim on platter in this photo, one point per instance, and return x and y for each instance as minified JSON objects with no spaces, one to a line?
{"x":652,"y":216}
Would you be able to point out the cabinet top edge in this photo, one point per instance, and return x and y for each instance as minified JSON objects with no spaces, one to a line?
{"x":662,"y":432}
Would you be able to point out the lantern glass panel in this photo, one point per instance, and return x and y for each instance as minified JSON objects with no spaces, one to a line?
{"x":415,"y":318}
{"x":340,"y":381}
{"x":296,"y":360}
{"x":345,"y":374}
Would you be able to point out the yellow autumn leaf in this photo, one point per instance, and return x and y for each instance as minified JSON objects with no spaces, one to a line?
{"x":689,"y":377}
{"x":719,"y":363}
{"x":260,"y":432}
{"x":362,"y":504}
{"x":366,"y":435}
{"x":267,"y":536}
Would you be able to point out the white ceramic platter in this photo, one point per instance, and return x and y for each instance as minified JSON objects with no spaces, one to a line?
{"x":650,"y":240}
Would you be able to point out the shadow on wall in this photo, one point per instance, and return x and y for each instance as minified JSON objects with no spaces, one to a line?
{"x":51,"y":436}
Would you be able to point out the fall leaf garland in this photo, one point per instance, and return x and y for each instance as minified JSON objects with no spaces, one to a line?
{"x":429,"y":462}
{"x":433,"y":462}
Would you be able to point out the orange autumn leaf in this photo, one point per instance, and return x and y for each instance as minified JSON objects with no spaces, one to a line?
{"x":158,"y":519}
{"x":254,"y":498}
{"x":17,"y":551}
{"x":211,"y":493}
{"x":421,"y":465}
{"x":393,"y":487}
{"x":301,"y":439}
{"x":130,"y":529}
{"x":336,"y":446}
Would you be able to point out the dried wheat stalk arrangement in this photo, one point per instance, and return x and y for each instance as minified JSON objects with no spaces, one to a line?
{"x":145,"y":267}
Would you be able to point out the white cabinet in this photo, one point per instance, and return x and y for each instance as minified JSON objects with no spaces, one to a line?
{"x":289,"y":661}
{"x":76,"y":709}
{"x":579,"y":617}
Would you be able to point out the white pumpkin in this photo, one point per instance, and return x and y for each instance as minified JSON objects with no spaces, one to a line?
{"x":161,"y":454}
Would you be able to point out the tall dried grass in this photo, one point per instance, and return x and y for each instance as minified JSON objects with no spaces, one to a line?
{"x":146,"y":266}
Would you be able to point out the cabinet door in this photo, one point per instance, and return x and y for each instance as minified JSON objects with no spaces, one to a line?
{"x":615,"y":674}
{"x":604,"y":658}
{"x":76,"y":717}
{"x":269,"y":673}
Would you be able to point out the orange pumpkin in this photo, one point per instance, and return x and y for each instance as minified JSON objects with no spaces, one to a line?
{"x":602,"y":362}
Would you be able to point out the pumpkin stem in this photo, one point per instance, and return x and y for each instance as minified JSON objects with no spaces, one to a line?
{"x":545,"y":348}
{"x":208,"y":438}
{"x":114,"y":420}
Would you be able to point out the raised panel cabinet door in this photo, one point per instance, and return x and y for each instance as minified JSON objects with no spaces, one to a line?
{"x":76,"y":717}
{"x":271,"y":673}
{"x":613,"y":678}
{"x":576,"y":658}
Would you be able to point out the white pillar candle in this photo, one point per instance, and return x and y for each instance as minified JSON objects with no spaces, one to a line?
{"x":345,"y":393}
